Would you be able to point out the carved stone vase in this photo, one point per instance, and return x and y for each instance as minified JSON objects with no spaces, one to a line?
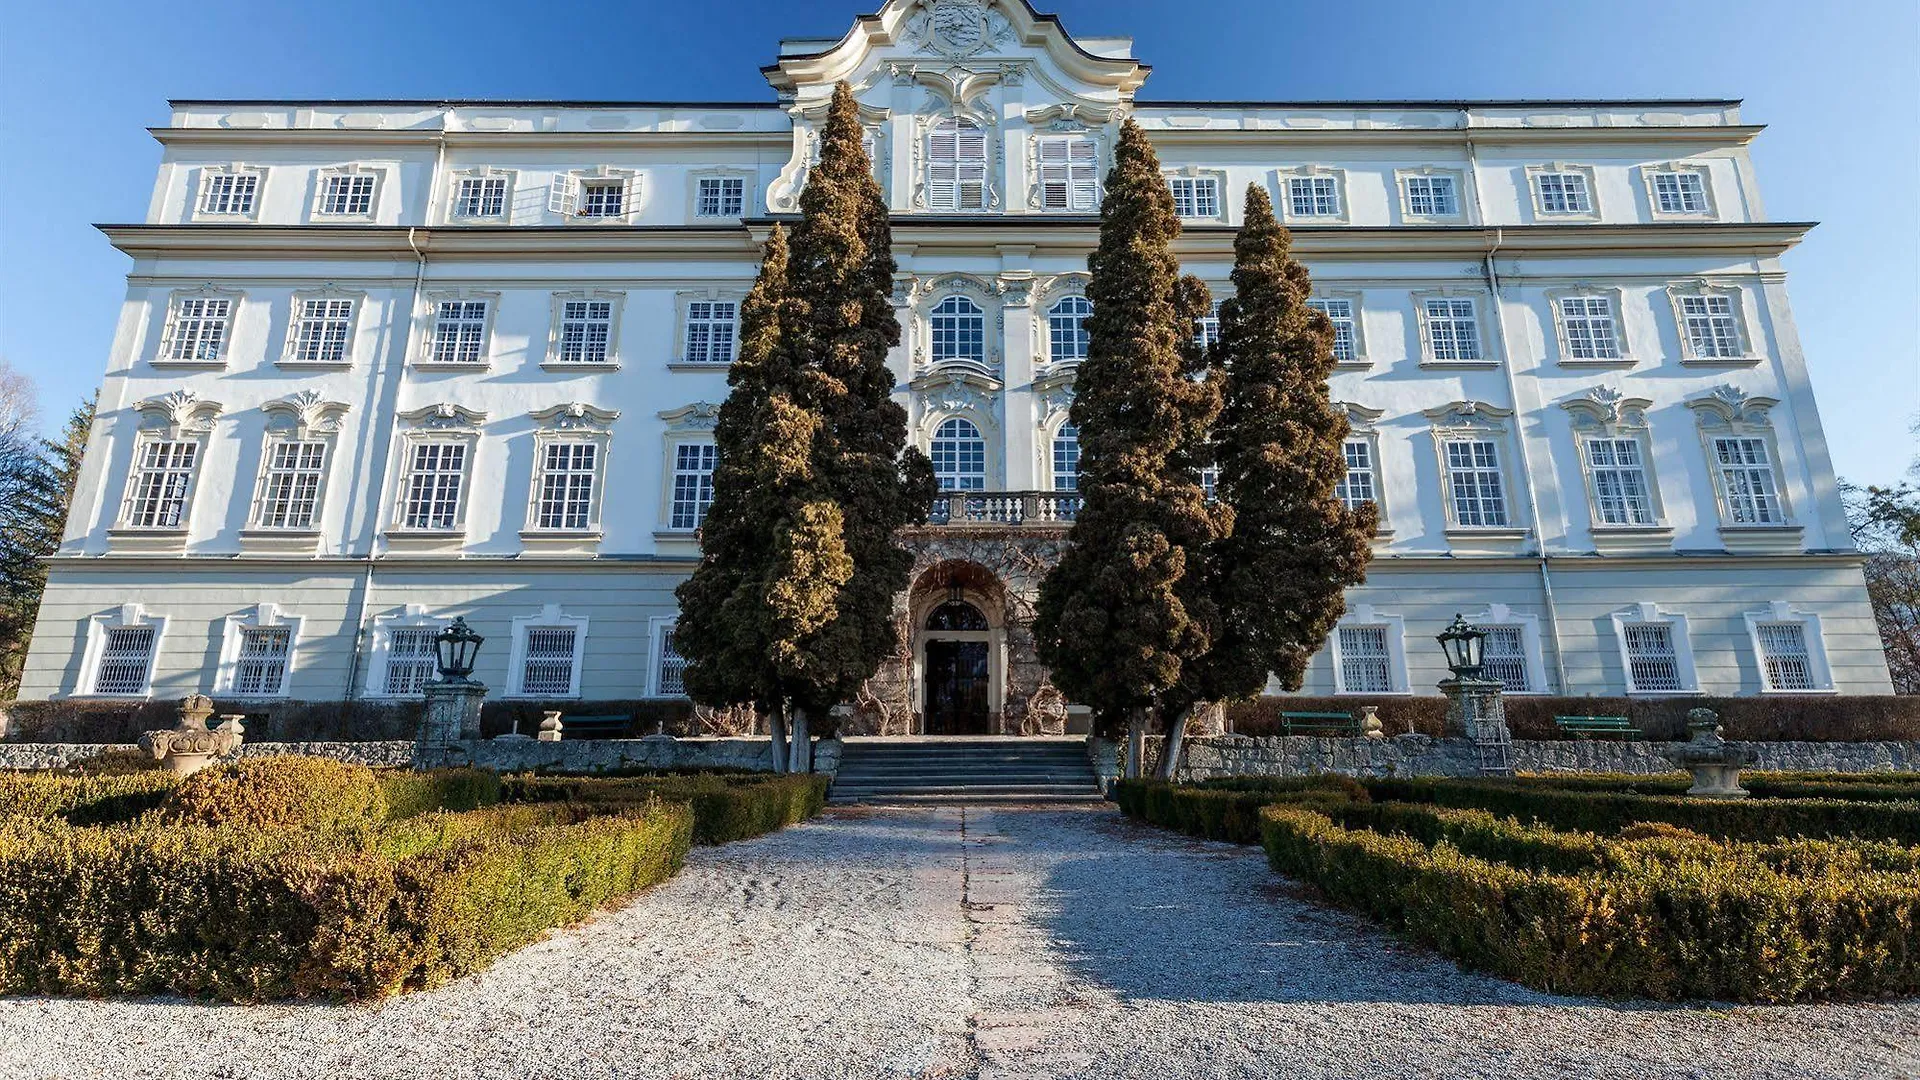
{"x":1714,"y":762}
{"x":188,"y":746}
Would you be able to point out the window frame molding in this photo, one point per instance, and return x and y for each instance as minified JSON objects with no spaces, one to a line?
{"x":567,"y":195}
{"x":1222,"y":214}
{"x":455,"y":178}
{"x":1354,"y":297}
{"x":1605,"y":413}
{"x":658,"y":627}
{"x":1531,"y":645}
{"x":430,"y":332}
{"x":263,"y":616}
{"x":988,"y":296}
{"x":1622,"y":341}
{"x":1407,"y":214}
{"x":1479,"y":421}
{"x":171,"y":326}
{"x":748,"y":182}
{"x":1649,"y":170}
{"x":290,"y":346}
{"x":1544,"y":216}
{"x":1283,"y":184}
{"x":178,"y":416}
{"x":1650,"y":614}
{"x":1036,"y":186}
{"x":1709,"y":287}
{"x":616,"y":299}
{"x":302,"y":417}
{"x":442,"y":423}
{"x":683,"y":301}
{"x":380,"y":647}
{"x":316,"y":215}
{"x":1363,"y":425}
{"x":691,"y":423}
{"x":124,"y":616}
{"x":1482,"y":304}
{"x":573,"y":422}
{"x":1811,"y":631}
{"x":550,"y":616}
{"x":1729,"y":412}
{"x":196,"y":209}
{"x":1365,"y":615}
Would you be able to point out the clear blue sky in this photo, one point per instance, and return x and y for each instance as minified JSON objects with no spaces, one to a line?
{"x":1837,"y":84}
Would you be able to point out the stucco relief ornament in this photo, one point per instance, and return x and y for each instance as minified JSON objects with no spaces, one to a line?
{"x":957,"y":29}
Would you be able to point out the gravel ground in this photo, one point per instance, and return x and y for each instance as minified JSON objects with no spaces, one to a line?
{"x":983,"y":943}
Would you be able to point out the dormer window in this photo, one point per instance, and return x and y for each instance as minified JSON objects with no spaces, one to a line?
{"x":957,"y":166}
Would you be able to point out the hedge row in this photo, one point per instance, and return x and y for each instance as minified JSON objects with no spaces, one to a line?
{"x":1758,"y":719}
{"x":1875,"y":787}
{"x":1223,"y":811}
{"x":1668,"y":928}
{"x":255,"y":914}
{"x":82,"y":800}
{"x":726,"y":807}
{"x":258,"y":792}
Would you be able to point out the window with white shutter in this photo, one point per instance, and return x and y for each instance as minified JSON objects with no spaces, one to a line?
{"x":956,"y":166}
{"x":563,"y":197}
{"x":1068,"y":179}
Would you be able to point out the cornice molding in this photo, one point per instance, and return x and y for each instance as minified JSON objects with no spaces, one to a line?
{"x":1703,"y":135}
{"x":779,"y":139}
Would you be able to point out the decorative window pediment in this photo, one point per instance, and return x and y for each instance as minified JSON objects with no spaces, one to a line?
{"x":306,"y":415}
{"x":445,"y":417}
{"x":699,"y":416}
{"x":178,"y":414}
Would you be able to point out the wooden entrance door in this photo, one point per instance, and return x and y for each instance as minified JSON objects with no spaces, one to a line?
{"x":956,"y":691}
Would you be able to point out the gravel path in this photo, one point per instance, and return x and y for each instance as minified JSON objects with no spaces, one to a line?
{"x":979,"y":943}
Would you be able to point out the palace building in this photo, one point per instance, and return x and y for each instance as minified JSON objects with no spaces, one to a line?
{"x":381,"y":363}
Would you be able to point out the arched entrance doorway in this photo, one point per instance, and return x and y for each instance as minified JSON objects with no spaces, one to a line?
{"x":957,"y":666}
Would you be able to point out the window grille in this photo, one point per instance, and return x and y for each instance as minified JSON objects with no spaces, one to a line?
{"x":603,"y":199}
{"x":1346,"y":345}
{"x":290,"y":495}
{"x":411,"y":663}
{"x":1746,"y":474}
{"x":1067,"y":329}
{"x":692,"y":484}
{"x":1565,"y":193}
{"x":347,"y":195}
{"x":1066,"y":458}
{"x":261,"y":669}
{"x":1652,"y":662}
{"x":1784,"y":656}
{"x":229,"y":193}
{"x":586,"y":331}
{"x":459,"y":331}
{"x":1710,"y":325}
{"x":1620,"y":489}
{"x":1473,"y":472}
{"x":1453,"y":330}
{"x":1356,"y":486}
{"x":1504,"y":659}
{"x":481,"y":197}
{"x":959,"y":331}
{"x":672,"y":666}
{"x":199,"y":328}
{"x":1432,"y":196}
{"x":547,"y":670}
{"x":721,"y":196}
{"x":956,"y":166}
{"x":1366,"y":662}
{"x":567,"y":474}
{"x":1067,"y":174}
{"x":711,"y":328}
{"x":1680,"y":192}
{"x":126,"y":660}
{"x":436,"y":473}
{"x":321,"y":329}
{"x":1314,"y":196}
{"x":959,"y":456}
{"x":157,"y":490}
{"x":1588,"y":322}
{"x":1195,"y":196}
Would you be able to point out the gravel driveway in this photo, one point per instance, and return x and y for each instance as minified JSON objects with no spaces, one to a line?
{"x":991,"y":943}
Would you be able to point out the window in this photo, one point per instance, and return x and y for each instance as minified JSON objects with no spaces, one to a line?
{"x":229,"y":193}
{"x":1453,"y":331}
{"x":956,"y":166}
{"x":1067,"y":329}
{"x":1653,"y":663}
{"x":321,"y":329}
{"x":692,"y":484}
{"x":959,"y":331}
{"x":959,"y":456}
{"x":711,"y":328}
{"x":1785,"y":660}
{"x":1711,"y":328}
{"x":459,"y":332}
{"x":1475,"y":484}
{"x":547,"y":666}
{"x":436,"y":474}
{"x":1208,"y":331}
{"x":1210,"y":483}
{"x":721,"y":196}
{"x":603,"y":198}
{"x":347,"y":195}
{"x":1067,"y":173}
{"x":1620,"y":489}
{"x":1680,"y":192}
{"x":1366,"y":660}
{"x":586,"y":331}
{"x":1432,"y":196}
{"x":1746,"y":478}
{"x":161,"y":481}
{"x":481,"y":197}
{"x":1196,"y":196}
{"x":567,"y":474}
{"x":1346,"y":342}
{"x":126,"y":660}
{"x":1564,"y":193}
{"x":411,"y":663}
{"x":290,"y":486}
{"x":261,"y":669}
{"x":1066,"y":458}
{"x":198,"y":333}
{"x":1588,"y":323}
{"x":1504,"y":655}
{"x":1313,"y":196}
{"x":1358,"y":485}
{"x":669,"y":666}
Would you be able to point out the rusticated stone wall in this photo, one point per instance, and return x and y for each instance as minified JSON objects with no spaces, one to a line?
{"x":504,"y":755}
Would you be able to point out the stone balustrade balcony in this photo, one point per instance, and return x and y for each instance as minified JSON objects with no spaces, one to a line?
{"x":1004,"y":508}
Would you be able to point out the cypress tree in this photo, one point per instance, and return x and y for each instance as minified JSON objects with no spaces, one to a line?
{"x":1114,"y":619}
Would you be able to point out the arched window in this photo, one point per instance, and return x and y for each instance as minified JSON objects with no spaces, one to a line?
{"x":1067,"y":329}
{"x":957,"y":166}
{"x":1066,"y":458}
{"x":957,"y":615}
{"x":959,"y":331}
{"x":959,"y":456}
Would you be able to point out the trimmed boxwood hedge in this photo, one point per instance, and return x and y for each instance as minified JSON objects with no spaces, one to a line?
{"x":1225,"y":809}
{"x":726,"y":807}
{"x":83,"y":800}
{"x":280,"y":792}
{"x":1858,"y":787}
{"x":410,"y":793}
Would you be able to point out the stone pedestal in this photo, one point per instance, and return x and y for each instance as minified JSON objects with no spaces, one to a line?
{"x":453,"y":712}
{"x":1714,"y":762}
{"x":1475,"y":711}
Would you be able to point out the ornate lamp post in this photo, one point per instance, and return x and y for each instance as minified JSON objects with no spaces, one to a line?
{"x":455,"y":649}
{"x":1476,"y":710}
{"x":454,"y":699}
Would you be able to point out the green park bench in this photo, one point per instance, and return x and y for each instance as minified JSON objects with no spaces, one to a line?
{"x":595,"y":727}
{"x":1586,"y":727}
{"x":1318,"y":723}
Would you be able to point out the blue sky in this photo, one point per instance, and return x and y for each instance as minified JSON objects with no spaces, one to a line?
{"x":1837,"y":84}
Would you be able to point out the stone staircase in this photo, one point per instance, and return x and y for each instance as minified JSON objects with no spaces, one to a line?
{"x":940,"y":770}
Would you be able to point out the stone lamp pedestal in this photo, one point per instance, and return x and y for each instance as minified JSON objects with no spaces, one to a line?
{"x":1475,"y":710}
{"x":453,"y":711}
{"x":188,"y":746}
{"x":1714,"y":762}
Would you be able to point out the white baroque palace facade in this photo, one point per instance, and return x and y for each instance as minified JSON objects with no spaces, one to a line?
{"x":385,"y":362}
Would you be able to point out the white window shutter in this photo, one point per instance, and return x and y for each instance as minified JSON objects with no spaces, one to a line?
{"x":564,"y":198}
{"x":942,"y":167}
{"x":973,"y":168}
{"x":1056,"y":174}
{"x":1082,"y":165}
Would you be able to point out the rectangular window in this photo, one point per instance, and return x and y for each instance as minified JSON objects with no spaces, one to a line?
{"x":1432,"y":196}
{"x":1746,"y":473}
{"x":459,"y":331}
{"x":547,"y":670}
{"x":1652,"y":663}
{"x":1346,"y":343}
{"x":567,"y":474}
{"x":603,"y":198}
{"x":721,"y":196}
{"x":320,"y":330}
{"x":1504,"y":655}
{"x":692,"y":484}
{"x":229,"y":193}
{"x":1680,"y":192}
{"x":1473,"y":473}
{"x":1313,"y":196}
{"x":1208,"y":332}
{"x":673,"y":666}
{"x":1066,"y":459}
{"x":199,"y":328}
{"x":1196,"y":196}
{"x":1588,"y":322}
{"x":1366,"y":662}
{"x":410,"y":661}
{"x":157,"y":490}
{"x":1784,"y":657}
{"x":711,"y":328}
{"x":347,"y":195}
{"x":1620,"y":488}
{"x":1453,"y":330}
{"x":1565,"y":193}
{"x":1710,"y":326}
{"x":1356,"y":488}
{"x":290,"y":491}
{"x":261,"y":669}
{"x":586,"y":331}
{"x":436,"y":472}
{"x":481,"y":197}
{"x":1067,"y":174}
{"x":126,"y":658}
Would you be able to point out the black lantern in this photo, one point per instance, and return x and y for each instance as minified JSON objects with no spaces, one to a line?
{"x":454,"y":650}
{"x":1465,"y":646}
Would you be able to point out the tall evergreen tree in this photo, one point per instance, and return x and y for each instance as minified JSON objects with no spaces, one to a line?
{"x":1277,"y":580}
{"x":1114,"y":619}
{"x":36,"y":489}
{"x":792,"y":606}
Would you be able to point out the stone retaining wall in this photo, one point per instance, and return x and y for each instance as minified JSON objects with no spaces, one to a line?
{"x":505,"y":755}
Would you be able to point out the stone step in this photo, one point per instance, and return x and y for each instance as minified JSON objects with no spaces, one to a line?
{"x":970,"y":798}
{"x":956,"y":789}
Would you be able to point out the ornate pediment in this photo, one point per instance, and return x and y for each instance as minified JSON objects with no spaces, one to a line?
{"x":1467,"y":414}
{"x":1605,"y":407}
{"x":1728,"y":405}
{"x":179,"y":412}
{"x":307,"y":413}
{"x":699,"y":416}
{"x":445,"y":416}
{"x":575,"y":416}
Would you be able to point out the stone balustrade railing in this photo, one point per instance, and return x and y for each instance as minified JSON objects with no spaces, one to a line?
{"x":1004,"y":508}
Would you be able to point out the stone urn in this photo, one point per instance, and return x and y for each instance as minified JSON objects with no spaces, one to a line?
{"x":1714,"y":762}
{"x":550,"y":727}
{"x":188,"y":746}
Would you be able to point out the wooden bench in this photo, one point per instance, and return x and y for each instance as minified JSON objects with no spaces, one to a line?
{"x":1318,"y":723}
{"x":595,"y":727}
{"x":1585,"y":727}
